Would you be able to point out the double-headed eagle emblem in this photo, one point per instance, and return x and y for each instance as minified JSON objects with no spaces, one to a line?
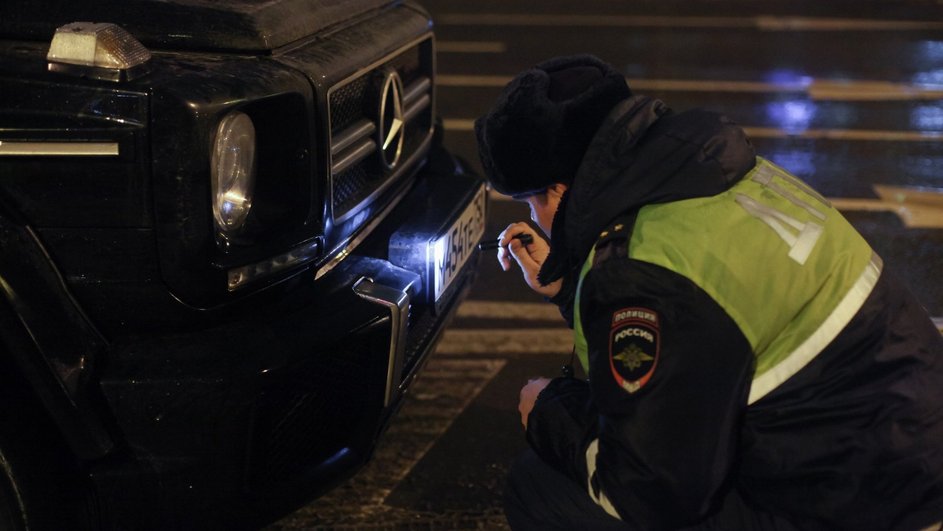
{"x":632,"y":357}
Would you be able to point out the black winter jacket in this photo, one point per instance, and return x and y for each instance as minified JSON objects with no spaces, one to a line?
{"x":853,"y":440}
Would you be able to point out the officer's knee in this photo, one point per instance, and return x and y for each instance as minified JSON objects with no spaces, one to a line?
{"x":520,"y":491}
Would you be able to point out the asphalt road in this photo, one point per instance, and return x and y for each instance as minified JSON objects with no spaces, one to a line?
{"x":847,"y":95}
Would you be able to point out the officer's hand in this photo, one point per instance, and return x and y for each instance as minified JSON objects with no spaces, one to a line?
{"x":529,"y":396}
{"x":529,"y":257}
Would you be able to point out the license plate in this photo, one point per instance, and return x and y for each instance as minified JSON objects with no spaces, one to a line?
{"x":451,"y":249}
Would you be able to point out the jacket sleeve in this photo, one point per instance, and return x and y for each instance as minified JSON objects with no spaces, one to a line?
{"x":564,"y":299}
{"x":654,"y":437}
{"x":561,"y":425}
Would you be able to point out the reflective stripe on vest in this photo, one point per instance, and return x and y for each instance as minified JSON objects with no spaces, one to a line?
{"x":775,"y":255}
{"x":600,"y":497}
{"x":579,"y":339}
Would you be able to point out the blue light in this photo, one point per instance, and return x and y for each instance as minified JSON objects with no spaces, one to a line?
{"x":931,"y":51}
{"x":787,"y":78}
{"x":929,"y":79}
{"x":927,"y":118}
{"x":799,"y":162}
{"x":793,"y":116}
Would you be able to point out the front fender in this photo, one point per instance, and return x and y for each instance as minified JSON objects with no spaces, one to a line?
{"x":48,"y":338}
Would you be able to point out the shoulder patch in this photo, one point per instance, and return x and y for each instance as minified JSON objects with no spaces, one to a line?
{"x":634,"y":346}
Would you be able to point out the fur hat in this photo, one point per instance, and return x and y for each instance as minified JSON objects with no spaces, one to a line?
{"x":538,"y":131}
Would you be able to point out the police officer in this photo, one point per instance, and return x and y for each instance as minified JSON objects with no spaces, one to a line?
{"x":751,"y":364}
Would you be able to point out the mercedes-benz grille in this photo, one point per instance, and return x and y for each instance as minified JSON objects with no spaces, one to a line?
{"x":381,"y":123}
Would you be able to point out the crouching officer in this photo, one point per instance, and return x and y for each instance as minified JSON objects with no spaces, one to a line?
{"x":751,"y":363}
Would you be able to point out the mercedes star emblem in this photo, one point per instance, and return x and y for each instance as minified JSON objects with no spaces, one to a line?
{"x":391,"y":119}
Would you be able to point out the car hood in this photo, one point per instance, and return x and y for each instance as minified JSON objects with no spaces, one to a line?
{"x":208,"y":25}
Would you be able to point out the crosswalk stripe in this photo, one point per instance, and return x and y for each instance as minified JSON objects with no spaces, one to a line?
{"x":528,"y":311}
{"x":917,"y":208}
{"x":814,"y":89}
{"x":506,"y":341}
{"x":497,"y":341}
{"x":883,"y":135}
{"x":761,"y":22}
{"x":470,"y":47}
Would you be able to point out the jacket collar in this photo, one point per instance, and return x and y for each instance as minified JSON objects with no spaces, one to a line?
{"x":643,"y":153}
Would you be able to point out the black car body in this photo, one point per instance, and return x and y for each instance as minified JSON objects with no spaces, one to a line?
{"x":191,"y":374}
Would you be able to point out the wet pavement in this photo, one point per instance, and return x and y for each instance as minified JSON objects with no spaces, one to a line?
{"x":847,"y":95}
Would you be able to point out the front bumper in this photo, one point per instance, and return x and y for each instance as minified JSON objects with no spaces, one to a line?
{"x":248,"y":419}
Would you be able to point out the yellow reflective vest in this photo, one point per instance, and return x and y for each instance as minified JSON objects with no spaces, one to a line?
{"x":783,"y":263}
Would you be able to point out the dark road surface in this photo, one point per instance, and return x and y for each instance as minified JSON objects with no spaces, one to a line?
{"x":848,"y":96}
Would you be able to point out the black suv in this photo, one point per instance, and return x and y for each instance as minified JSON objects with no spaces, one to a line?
{"x":229,"y":237}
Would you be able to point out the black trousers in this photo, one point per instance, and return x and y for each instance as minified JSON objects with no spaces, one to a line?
{"x":539,"y":498}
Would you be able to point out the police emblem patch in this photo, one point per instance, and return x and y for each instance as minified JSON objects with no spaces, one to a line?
{"x":633,"y":347}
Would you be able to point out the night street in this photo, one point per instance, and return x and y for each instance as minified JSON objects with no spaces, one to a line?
{"x":846,"y":95}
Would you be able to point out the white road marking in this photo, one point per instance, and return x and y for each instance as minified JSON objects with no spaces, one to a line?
{"x":528,"y":311}
{"x":865,"y":90}
{"x":575,"y":20}
{"x":458,"y":124}
{"x":761,"y":23}
{"x":884,"y":135}
{"x":545,"y":341}
{"x":814,"y":89}
{"x":687,"y":85}
{"x":470,"y":47}
{"x":917,"y":208}
{"x":719,"y":85}
{"x":503,"y":341}
{"x":772,"y":23}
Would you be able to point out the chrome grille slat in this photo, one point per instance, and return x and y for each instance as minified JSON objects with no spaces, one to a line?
{"x":360,"y":151}
{"x":418,"y":106}
{"x":358,"y":173}
{"x":415,"y":100}
{"x":351,"y":135}
{"x":417,"y":89}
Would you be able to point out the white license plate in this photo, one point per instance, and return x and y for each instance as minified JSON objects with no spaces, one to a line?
{"x":451,"y":249}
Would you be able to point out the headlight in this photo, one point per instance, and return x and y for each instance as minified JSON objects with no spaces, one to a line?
{"x":233,"y":171}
